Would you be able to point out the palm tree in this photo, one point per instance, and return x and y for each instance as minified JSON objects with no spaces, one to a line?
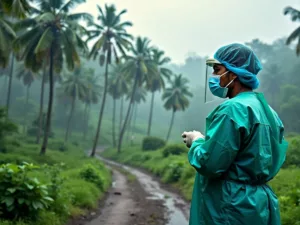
{"x":139,"y":68}
{"x":49,"y":36}
{"x":74,"y":87}
{"x":4,"y":72}
{"x":176,"y":98}
{"x":16,"y":8}
{"x":157,"y":82}
{"x":92,"y":96}
{"x":28,"y":77}
{"x":112,"y":35}
{"x":295,"y":14}
{"x":40,"y":118}
{"x":139,"y":96}
{"x":118,"y":86}
{"x":272,"y":72}
{"x":7,"y":35}
{"x":10,"y":77}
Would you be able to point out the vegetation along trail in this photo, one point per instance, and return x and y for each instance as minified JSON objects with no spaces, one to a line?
{"x":149,"y":198}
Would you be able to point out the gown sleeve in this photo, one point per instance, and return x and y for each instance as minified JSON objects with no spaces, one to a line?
{"x":213,"y":156}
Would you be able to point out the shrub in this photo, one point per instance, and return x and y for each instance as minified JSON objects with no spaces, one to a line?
{"x":173,"y":172}
{"x":293,"y":152}
{"x":152,"y":143}
{"x":58,"y":145}
{"x":33,"y":131}
{"x":175,"y":149}
{"x":21,"y":196}
{"x":91,"y":174}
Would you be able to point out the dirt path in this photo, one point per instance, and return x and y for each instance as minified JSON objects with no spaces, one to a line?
{"x":126,"y":203}
{"x":175,"y":209}
{"x":119,"y":205}
{"x":136,"y":199}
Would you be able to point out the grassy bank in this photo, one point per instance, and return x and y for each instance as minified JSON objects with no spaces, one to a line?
{"x":74,"y":183}
{"x":176,"y":171}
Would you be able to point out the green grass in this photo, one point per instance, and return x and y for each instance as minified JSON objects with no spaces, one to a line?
{"x":76,"y":194}
{"x":176,"y":171}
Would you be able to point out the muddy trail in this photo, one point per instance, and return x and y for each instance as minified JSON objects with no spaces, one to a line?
{"x":136,"y":198}
{"x":163,"y":207}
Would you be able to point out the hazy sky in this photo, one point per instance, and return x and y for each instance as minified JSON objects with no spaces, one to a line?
{"x":182,"y":26}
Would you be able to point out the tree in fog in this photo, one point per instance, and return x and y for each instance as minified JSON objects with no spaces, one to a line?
{"x":111,"y":36}
{"x":52,"y":36}
{"x":295,"y":35}
{"x":176,"y":97}
{"x":140,"y":95}
{"x":117,"y":88}
{"x":28,"y":77}
{"x":139,"y":67}
{"x":92,"y":96}
{"x":74,"y":87}
{"x":157,"y":82}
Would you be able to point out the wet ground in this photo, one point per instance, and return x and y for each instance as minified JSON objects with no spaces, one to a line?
{"x":139,"y":201}
{"x":176,"y":209}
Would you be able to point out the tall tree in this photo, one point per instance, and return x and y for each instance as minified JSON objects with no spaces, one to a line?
{"x":157,"y":81}
{"x":41,"y":124}
{"x":111,"y":36}
{"x":49,"y":36}
{"x":118,"y":86}
{"x":75,"y":87}
{"x":139,"y":96}
{"x":176,"y":98}
{"x":27,"y":76}
{"x":295,"y":14}
{"x":92,"y":96}
{"x":139,"y":67}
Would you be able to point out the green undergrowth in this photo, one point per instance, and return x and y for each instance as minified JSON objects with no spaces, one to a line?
{"x":73,"y":180}
{"x":174,"y":169}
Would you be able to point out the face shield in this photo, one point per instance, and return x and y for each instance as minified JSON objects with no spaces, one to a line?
{"x":208,"y":96}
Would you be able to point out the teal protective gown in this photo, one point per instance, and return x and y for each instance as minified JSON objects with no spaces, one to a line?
{"x":244,"y":148}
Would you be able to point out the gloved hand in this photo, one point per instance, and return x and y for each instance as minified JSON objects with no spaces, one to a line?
{"x":190,"y":136}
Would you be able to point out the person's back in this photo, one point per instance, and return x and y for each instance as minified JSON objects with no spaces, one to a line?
{"x":255,"y":160}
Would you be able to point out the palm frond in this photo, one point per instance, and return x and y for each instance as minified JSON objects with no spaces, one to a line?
{"x":295,"y":14}
{"x":78,"y":16}
{"x":45,"y":41}
{"x":70,"y":5}
{"x":16,"y":8}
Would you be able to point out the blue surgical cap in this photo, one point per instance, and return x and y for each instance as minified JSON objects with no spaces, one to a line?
{"x":242,"y":61}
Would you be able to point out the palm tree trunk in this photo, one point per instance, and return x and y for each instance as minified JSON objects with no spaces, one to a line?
{"x":85,"y":116}
{"x":171,"y":125}
{"x":121,"y":115}
{"x":134,"y":122}
{"x":4,"y":90}
{"x":39,"y":133}
{"x":26,"y":109}
{"x":114,"y":123}
{"x":10,"y":83}
{"x":102,"y":108}
{"x":128,"y":110}
{"x":49,"y":113}
{"x":70,"y":118}
{"x":151,"y":113}
{"x":129,"y":122}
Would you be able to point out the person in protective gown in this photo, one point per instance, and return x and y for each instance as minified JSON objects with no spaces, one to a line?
{"x":243,"y":149}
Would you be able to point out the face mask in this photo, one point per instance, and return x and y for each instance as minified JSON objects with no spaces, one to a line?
{"x":216,"y":89}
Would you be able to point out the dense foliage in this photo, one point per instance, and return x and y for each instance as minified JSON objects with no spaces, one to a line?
{"x":152,"y":143}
